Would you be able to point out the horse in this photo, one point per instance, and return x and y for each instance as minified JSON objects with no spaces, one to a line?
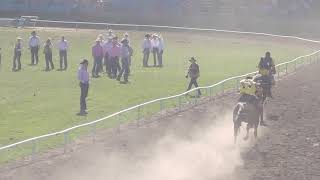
{"x":250,"y":113}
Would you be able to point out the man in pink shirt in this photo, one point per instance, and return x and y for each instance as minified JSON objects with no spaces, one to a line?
{"x":97,"y":53}
{"x":114,"y":54}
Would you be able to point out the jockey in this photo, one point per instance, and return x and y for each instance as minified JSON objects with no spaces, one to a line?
{"x":267,"y":69}
{"x":248,"y":91}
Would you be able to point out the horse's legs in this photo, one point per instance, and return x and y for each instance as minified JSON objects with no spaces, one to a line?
{"x":256,"y":130}
{"x":247,"y":135}
{"x":235,"y":133}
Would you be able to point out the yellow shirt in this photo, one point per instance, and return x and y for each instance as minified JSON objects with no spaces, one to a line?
{"x":248,"y":86}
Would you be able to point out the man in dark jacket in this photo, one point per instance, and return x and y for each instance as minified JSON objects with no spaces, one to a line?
{"x":194,"y":74}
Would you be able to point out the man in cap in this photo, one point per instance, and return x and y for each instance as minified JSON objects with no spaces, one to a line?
{"x":126,"y":52}
{"x":114,"y":55}
{"x":34,"y":45}
{"x":63,"y":48}
{"x":83,"y":77}
{"x":194,"y":74}
{"x":97,"y":53}
{"x":17,"y":55}
{"x":146,"y":47}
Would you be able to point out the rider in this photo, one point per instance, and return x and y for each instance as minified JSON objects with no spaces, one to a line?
{"x":250,"y":92}
{"x":267,"y":69}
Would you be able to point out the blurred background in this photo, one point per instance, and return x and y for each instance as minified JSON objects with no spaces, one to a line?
{"x":280,"y":16}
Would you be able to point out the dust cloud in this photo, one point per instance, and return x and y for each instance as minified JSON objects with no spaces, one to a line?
{"x":207,"y":154}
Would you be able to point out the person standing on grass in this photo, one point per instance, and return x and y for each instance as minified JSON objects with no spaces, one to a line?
{"x":63,"y":48}
{"x":114,"y":54}
{"x":161,"y":49}
{"x":126,"y":37}
{"x":17,"y":55}
{"x":146,"y":47}
{"x":47,"y":50}
{"x":83,"y":77}
{"x":126,"y":52}
{"x":97,"y":53}
{"x":106,"y":48}
{"x":101,"y":38}
{"x":34,"y":45}
{"x":194,"y":74}
{"x":155,"y":48}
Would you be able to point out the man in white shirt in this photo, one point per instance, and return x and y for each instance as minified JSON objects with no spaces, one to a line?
{"x":34,"y":45}
{"x":155,"y":48}
{"x":63,"y":48}
{"x":161,"y":49}
{"x":146,"y":46}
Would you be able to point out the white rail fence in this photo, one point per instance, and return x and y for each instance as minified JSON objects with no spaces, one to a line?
{"x":136,"y":113}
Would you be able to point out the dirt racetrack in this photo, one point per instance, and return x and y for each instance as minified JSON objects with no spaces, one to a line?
{"x":197,"y":144}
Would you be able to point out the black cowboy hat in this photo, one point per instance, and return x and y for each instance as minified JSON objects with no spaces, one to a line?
{"x":84,"y":61}
{"x":192,"y":59}
{"x":125,"y":41}
{"x":33,"y":32}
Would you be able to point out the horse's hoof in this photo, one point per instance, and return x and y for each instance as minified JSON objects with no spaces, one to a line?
{"x":246,"y":138}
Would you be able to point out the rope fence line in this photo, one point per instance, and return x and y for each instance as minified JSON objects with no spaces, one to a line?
{"x":138,"y":107}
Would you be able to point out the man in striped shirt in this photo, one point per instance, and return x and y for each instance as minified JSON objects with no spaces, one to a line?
{"x":34,"y":45}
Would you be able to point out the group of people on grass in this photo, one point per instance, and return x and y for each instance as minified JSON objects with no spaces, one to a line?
{"x":35,"y":46}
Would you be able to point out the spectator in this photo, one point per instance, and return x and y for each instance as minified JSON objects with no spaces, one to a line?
{"x":114,"y":55}
{"x":97,"y":53}
{"x":110,"y":34}
{"x":161,"y":49}
{"x":17,"y":55}
{"x":146,"y":46}
{"x":155,"y":48}
{"x":34,"y":45}
{"x":194,"y":74}
{"x":126,"y":37}
{"x":83,"y":77}
{"x":63,"y":48}
{"x":126,"y":53}
{"x":48,"y":55}
{"x":106,"y":48}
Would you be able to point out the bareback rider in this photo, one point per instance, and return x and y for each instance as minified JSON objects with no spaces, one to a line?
{"x":267,"y":69}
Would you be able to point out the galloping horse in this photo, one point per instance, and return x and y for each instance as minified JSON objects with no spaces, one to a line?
{"x":249,"y":113}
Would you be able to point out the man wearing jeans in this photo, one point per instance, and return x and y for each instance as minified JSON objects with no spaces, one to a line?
{"x":34,"y":45}
{"x":63,"y":47}
{"x":146,"y":47}
{"x":193,"y":73}
{"x":114,"y":55}
{"x":97,"y":53}
{"x":17,"y":55}
{"x":83,"y":77}
{"x":126,"y":52}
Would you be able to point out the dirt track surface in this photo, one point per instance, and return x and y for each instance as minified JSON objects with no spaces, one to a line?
{"x":197,"y":144}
